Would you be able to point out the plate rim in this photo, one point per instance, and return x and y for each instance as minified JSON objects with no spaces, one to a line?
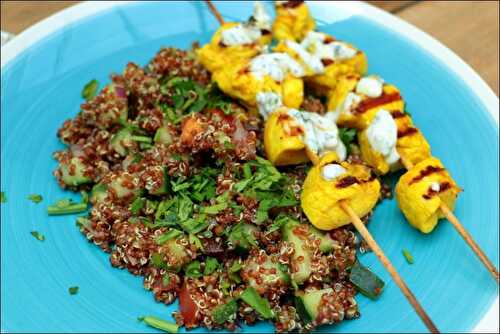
{"x":58,"y":20}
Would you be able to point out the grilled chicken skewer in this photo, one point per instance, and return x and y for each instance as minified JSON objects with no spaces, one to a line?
{"x":389,"y":141}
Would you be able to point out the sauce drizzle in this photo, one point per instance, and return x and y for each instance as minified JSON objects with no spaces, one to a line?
{"x":370,"y":103}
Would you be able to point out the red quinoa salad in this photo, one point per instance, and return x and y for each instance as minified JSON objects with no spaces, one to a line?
{"x":182,"y":195}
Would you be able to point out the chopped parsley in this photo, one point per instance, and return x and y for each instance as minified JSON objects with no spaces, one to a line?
{"x":66,"y":206}
{"x":38,"y":236}
{"x":211,"y":265}
{"x":35,"y":198}
{"x":90,"y":89}
{"x":408,"y":256}
{"x":348,"y":136}
{"x":193,"y":269}
{"x":73,"y":290}
{"x":160,"y":324}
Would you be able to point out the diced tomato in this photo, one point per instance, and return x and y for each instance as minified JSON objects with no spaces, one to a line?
{"x":187,"y":306}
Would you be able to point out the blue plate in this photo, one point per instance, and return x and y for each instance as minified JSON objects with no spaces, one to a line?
{"x":41,"y":88}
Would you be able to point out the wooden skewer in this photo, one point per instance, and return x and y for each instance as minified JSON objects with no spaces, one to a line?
{"x":360,"y":226}
{"x":214,"y":11}
{"x":462,"y":231}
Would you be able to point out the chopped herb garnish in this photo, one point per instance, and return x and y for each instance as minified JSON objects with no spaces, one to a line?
{"x":35,"y":198}
{"x":408,"y":256}
{"x":90,"y":89}
{"x":165,"y":281}
{"x":214,"y":209}
{"x":137,"y":205}
{"x":38,"y":235}
{"x":259,"y":304}
{"x":85,"y":197}
{"x":163,"y":238}
{"x":347,"y":135}
{"x":3,"y":197}
{"x":66,"y":206}
{"x":224,"y":312}
{"x":193,"y":269}
{"x":73,"y":290}
{"x":211,"y":265}
{"x":141,"y":139}
{"x":160,"y":324}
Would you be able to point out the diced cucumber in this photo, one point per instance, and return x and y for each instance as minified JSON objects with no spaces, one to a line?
{"x":74,"y":165}
{"x":163,"y":136}
{"x":311,"y":301}
{"x":327,"y":243}
{"x":99,"y":193}
{"x":366,"y":281}
{"x":301,"y":258}
{"x":165,"y":187}
{"x":266,"y":278}
{"x":120,"y":190}
{"x":242,"y":236}
{"x":119,"y":139}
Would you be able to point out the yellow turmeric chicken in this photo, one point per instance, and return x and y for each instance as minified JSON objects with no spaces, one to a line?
{"x":266,"y":81}
{"x":293,"y":20}
{"x":421,"y":190}
{"x":389,"y":138}
{"x":237,"y":41}
{"x":330,"y":182}
{"x":325,"y":59}
{"x":357,"y":99}
{"x":292,"y":137}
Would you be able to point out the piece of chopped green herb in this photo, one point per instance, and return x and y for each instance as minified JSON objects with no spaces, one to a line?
{"x":157,"y":261}
{"x":64,"y":207}
{"x":214,"y":209}
{"x":348,"y":136}
{"x":259,"y":304}
{"x":38,"y":235}
{"x":90,"y":89}
{"x":85,"y":196}
{"x":193,"y":269}
{"x":224,"y":312}
{"x":165,"y":281}
{"x":408,"y":256}
{"x":163,"y":238}
{"x":233,"y":272}
{"x":3,"y":197}
{"x":35,"y":198}
{"x":211,"y":265}
{"x":160,"y":324}
{"x":73,"y":290}
{"x":137,"y":205}
{"x":194,"y":240}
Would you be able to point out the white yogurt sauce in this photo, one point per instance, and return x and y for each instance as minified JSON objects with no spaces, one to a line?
{"x":332,"y":171}
{"x":262,"y":20}
{"x":311,"y":61}
{"x":321,"y":134}
{"x":314,"y":44}
{"x":382,"y":135}
{"x":267,"y":102}
{"x":276,"y":65}
{"x":347,"y":106}
{"x":435,"y":186}
{"x":371,"y":86}
{"x":240,"y":34}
